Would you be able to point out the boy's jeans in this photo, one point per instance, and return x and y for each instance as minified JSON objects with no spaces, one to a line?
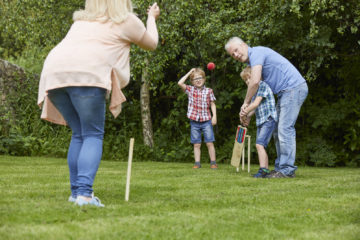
{"x":83,"y":108}
{"x":288,"y":107}
{"x":265,"y":131}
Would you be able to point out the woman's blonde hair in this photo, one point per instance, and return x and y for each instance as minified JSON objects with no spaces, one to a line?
{"x":245,"y":73}
{"x":115,"y":10}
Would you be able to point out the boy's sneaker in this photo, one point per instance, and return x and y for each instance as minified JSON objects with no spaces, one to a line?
{"x":262,"y":173}
{"x":196,"y":166}
{"x":214,"y":166}
{"x":80,"y":201}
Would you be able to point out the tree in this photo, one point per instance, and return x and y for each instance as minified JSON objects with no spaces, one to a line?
{"x":145,"y":107}
{"x":321,"y":38}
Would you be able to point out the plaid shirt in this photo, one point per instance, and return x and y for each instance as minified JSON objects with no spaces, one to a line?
{"x":199,"y":103}
{"x":267,"y":106}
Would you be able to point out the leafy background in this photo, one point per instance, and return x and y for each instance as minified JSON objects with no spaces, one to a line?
{"x":321,"y":38}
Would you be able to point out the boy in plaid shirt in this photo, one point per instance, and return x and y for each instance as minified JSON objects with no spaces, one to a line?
{"x":263,"y":105}
{"x":201,"y":99}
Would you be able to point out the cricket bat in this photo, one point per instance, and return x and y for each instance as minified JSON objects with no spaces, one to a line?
{"x":238,"y":146}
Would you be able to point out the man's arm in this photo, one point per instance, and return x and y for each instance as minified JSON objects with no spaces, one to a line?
{"x":213,"y":110}
{"x":253,"y":86}
{"x":181,"y":82}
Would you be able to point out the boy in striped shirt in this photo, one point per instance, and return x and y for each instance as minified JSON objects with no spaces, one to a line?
{"x":200,"y":100}
{"x":263,"y":105}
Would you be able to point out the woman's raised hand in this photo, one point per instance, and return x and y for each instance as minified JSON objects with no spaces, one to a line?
{"x":154,"y":10}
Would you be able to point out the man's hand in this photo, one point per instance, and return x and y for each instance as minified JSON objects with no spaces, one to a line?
{"x":245,"y":121}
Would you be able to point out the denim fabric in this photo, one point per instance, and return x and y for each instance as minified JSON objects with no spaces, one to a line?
{"x":83,"y":108}
{"x":288,"y":108}
{"x":265,"y":131}
{"x":198,"y":127}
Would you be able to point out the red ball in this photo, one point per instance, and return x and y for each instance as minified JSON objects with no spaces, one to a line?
{"x":211,"y":66}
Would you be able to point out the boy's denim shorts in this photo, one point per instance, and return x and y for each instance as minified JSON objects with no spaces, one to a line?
{"x":201,"y":127}
{"x":264,"y":132}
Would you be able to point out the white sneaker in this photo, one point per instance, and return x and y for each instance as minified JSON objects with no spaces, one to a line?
{"x":72,"y":199}
{"x":80,"y":201}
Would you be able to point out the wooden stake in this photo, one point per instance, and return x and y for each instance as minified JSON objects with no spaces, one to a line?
{"x":243,"y":159}
{"x":131,"y":148}
{"x":249,"y":140}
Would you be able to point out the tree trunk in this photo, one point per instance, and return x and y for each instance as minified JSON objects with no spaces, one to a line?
{"x":11,"y":78}
{"x":145,"y":107}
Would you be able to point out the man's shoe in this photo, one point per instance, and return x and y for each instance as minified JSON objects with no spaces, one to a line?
{"x":292,"y":175}
{"x":261,"y":173}
{"x":196,"y":166}
{"x":278,"y":175}
{"x":214,"y":166}
{"x":273,"y":171}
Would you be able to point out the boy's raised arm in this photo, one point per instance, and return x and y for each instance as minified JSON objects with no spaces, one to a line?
{"x":181,"y":82}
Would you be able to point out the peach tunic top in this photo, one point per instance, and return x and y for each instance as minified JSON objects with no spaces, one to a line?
{"x":93,"y":54}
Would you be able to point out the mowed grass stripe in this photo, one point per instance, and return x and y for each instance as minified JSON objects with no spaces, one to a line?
{"x":173,"y":201}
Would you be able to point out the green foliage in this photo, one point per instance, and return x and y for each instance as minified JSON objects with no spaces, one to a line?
{"x":321,"y":38}
{"x":25,"y":134}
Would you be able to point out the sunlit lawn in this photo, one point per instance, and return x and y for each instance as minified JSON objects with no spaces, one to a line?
{"x":173,"y":201}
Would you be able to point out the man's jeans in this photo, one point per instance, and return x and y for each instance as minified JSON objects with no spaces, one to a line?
{"x":83,"y":108}
{"x":288,"y":107}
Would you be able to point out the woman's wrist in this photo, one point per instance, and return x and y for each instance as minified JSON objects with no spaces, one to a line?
{"x":151,"y":16}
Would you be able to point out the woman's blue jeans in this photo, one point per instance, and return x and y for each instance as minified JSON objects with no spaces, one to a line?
{"x":288,"y":107}
{"x":83,"y":108}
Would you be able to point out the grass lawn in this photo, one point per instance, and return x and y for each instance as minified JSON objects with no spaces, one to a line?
{"x":173,"y":201}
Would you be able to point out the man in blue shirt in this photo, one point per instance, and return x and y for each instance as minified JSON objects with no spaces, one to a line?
{"x":291,"y":89}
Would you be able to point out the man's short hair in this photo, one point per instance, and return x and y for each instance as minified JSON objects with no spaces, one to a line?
{"x":231,"y":41}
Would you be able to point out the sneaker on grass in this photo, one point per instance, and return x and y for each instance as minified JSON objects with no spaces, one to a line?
{"x":95,"y":201}
{"x":214,"y":166}
{"x":273,"y":171}
{"x":72,"y":199}
{"x":262,"y":173}
{"x":196,"y":166}
{"x":281,"y":175}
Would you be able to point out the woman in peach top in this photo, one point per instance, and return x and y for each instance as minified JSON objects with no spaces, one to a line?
{"x":90,"y":62}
